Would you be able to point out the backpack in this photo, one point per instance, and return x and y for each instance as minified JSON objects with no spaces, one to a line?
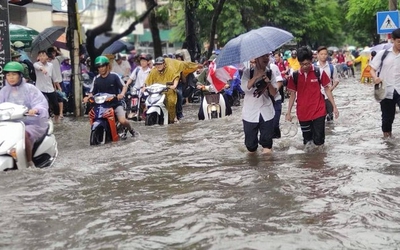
{"x":31,"y":69}
{"x":317,"y":73}
{"x":330,"y":68}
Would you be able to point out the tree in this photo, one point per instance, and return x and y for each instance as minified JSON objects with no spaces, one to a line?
{"x":362,"y":16}
{"x":106,"y":26}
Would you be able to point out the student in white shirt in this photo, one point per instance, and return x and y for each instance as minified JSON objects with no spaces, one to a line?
{"x":258,"y":111}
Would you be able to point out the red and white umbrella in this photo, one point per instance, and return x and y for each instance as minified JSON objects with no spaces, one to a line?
{"x":219,"y":77}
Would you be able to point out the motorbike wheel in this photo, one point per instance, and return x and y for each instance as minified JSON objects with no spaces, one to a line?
{"x":151,"y":119}
{"x":214,"y":114}
{"x":96,"y":136}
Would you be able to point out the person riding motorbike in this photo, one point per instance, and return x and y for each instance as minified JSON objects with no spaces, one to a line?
{"x":18,"y":91}
{"x":110,"y":82}
{"x":204,"y":85}
{"x":165,"y":71}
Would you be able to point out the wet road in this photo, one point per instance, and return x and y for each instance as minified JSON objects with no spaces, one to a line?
{"x":193,"y":186}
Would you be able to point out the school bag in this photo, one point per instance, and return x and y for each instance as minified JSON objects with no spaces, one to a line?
{"x":31,"y":69}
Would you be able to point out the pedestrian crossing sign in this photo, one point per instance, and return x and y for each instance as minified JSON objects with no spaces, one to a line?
{"x":387,"y":21}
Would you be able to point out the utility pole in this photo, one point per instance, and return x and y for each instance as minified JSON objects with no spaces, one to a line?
{"x":5,"y":38}
{"x":73,"y":45}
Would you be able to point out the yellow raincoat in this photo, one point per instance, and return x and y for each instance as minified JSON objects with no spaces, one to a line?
{"x":364,"y":59}
{"x":173,"y":69}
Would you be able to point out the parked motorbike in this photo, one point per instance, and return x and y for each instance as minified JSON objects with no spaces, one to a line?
{"x":156,"y":111}
{"x":104,"y":123}
{"x":12,"y":140}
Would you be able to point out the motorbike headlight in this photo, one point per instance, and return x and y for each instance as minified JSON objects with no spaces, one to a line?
{"x":100,"y":99}
{"x":5,"y":114}
{"x":13,"y":153}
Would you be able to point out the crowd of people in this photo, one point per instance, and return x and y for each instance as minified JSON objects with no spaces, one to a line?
{"x":308,"y":78}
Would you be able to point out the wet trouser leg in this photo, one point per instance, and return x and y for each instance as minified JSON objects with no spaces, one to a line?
{"x":52,"y":98}
{"x":179,"y":106}
{"x":313,"y":130}
{"x":329,"y":110}
{"x":277,"y":117}
{"x":170,"y":104}
{"x":228,"y":108}
{"x":251,"y":129}
{"x":388,"y":109}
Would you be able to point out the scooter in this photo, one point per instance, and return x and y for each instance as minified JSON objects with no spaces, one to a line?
{"x":156,"y":111}
{"x":12,"y":140}
{"x":104,"y":124}
{"x":213,"y":106}
{"x":133,"y":104}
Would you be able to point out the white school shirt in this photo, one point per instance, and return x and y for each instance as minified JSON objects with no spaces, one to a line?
{"x":141,"y":76}
{"x":278,"y":78}
{"x":390,"y":72}
{"x":44,"y":82}
{"x":327,"y":70}
{"x":253,"y":107}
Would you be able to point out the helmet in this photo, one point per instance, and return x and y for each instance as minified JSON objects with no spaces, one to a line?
{"x":15,"y":54}
{"x":19,"y":44}
{"x":144,"y":56}
{"x":180,"y":55}
{"x":159,"y":60}
{"x":13,"y":67}
{"x":101,"y":61}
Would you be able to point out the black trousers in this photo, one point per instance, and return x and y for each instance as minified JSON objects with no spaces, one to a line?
{"x":388,"y":108}
{"x":52,"y":99}
{"x":313,"y":130}
{"x":251,"y":130}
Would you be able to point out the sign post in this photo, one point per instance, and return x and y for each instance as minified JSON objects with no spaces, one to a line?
{"x":387,"y":21}
{"x":4,"y":38}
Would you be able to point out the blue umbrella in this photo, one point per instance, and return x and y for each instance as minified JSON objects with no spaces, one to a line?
{"x":382,"y":46}
{"x":252,"y":44}
{"x":115,"y":47}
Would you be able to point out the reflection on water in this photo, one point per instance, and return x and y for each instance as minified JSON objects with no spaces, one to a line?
{"x":193,"y":186}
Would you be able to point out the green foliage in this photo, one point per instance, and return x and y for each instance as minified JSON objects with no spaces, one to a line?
{"x":126,"y":16}
{"x":312,"y":22}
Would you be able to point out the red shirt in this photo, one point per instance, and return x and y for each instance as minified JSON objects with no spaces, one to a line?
{"x":282,"y":65}
{"x":310,"y":101}
{"x":340,"y":58}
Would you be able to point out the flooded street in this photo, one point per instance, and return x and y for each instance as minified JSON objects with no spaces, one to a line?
{"x":193,"y":186}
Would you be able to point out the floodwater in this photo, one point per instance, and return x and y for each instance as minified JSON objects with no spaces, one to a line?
{"x":193,"y":186}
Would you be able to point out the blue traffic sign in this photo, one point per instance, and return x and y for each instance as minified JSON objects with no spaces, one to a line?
{"x":387,"y":21}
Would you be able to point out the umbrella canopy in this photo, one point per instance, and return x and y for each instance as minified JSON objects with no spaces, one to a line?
{"x":115,"y":47}
{"x":219,"y":77}
{"x":351,"y":47}
{"x":252,"y":44}
{"x":46,"y":39}
{"x":382,"y":46}
{"x":365,"y":52}
{"x":333,"y":48}
{"x":23,"y":34}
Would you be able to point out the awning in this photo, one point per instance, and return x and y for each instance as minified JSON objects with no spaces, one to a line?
{"x":147,"y":37}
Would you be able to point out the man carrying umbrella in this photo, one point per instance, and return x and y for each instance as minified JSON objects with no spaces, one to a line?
{"x":258,"y":108}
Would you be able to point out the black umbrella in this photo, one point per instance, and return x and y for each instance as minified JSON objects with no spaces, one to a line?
{"x":115,"y":47}
{"x":46,"y":39}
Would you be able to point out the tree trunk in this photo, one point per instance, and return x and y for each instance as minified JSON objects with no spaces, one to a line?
{"x":191,"y":43}
{"x":106,"y":26}
{"x":155,"y":32}
{"x":214,"y":19}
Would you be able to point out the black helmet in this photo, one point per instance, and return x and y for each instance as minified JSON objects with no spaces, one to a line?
{"x":159,"y":60}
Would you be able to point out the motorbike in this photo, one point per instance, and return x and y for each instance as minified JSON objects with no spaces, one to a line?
{"x":213,"y":106}
{"x":12,"y":140}
{"x":133,"y":104}
{"x":104,"y":123}
{"x":156,"y":112}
